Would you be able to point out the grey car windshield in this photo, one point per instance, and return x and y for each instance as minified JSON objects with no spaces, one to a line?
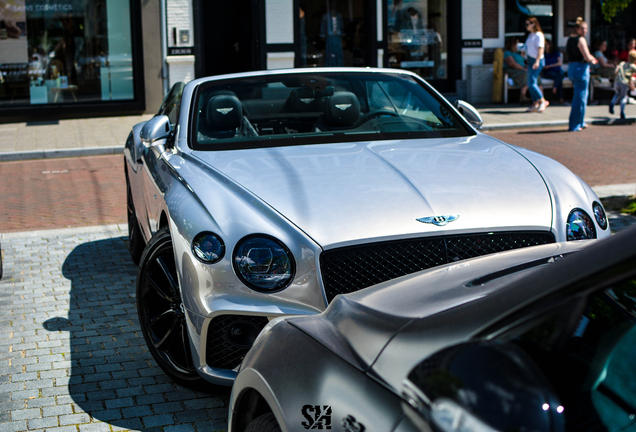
{"x":299,"y":109}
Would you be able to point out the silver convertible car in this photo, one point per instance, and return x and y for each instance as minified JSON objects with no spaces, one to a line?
{"x":265,"y":194}
{"x":541,"y":339}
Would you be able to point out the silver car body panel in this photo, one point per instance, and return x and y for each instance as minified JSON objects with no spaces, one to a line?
{"x":344,"y":194}
{"x":317,"y":197}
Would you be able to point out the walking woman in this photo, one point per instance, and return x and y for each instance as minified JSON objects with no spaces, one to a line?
{"x":535,"y":47}
{"x":579,"y":73}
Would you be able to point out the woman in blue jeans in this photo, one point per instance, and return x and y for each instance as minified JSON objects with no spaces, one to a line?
{"x":535,"y":46}
{"x":579,"y":73}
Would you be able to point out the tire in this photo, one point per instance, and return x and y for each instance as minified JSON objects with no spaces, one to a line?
{"x":136,"y":242}
{"x":161,"y":312}
{"x":264,"y":423}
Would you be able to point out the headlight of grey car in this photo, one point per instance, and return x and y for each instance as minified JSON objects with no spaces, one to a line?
{"x":599,"y":214}
{"x":208,"y":247}
{"x":580,"y":226}
{"x":263,"y":263}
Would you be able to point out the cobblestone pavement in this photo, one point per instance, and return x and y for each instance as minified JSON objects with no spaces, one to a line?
{"x":60,"y":193}
{"x":72,"y":356}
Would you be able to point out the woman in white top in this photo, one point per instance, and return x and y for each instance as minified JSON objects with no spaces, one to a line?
{"x":535,"y":46}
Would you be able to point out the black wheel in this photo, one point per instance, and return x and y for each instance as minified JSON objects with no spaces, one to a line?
{"x":161,"y":312}
{"x":136,"y":242}
{"x":265,"y":423}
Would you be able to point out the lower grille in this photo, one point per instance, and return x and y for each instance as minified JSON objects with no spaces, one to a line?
{"x":352,"y":268}
{"x":230,"y":337}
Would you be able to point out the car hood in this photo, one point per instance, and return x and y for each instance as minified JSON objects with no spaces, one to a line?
{"x":361,"y":326}
{"x":339,"y":194}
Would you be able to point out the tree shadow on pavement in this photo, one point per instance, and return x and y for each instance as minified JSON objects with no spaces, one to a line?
{"x":113,"y":377}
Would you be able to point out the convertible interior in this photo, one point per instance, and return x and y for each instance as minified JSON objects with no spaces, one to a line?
{"x":328,"y":105}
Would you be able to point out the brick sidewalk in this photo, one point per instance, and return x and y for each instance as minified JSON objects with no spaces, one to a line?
{"x":59,"y":193}
{"x":72,"y":357}
{"x":600,"y":155}
{"x":67,"y":134}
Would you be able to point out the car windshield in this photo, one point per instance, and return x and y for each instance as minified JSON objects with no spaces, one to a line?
{"x":588,"y":352}
{"x":313,"y":108}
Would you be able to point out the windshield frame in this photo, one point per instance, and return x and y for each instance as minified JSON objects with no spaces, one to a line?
{"x":464,"y":130}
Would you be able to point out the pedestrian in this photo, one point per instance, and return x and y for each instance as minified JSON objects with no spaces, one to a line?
{"x":579,"y":73}
{"x":515,"y":66}
{"x":604,"y":67}
{"x":535,"y":47}
{"x":553,"y":70}
{"x":624,"y":82}
{"x":623,"y":55}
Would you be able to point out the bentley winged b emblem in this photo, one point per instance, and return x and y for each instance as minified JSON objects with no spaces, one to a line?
{"x":343,"y":107}
{"x":438,"y":220}
{"x":224,"y":111}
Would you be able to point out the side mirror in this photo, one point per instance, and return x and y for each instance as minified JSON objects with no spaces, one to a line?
{"x":481,"y":386}
{"x":156,"y":131}
{"x":470,"y":113}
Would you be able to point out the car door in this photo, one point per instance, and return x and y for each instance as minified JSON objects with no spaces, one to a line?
{"x":154,"y":186}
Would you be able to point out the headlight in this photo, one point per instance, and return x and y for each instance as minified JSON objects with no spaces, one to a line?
{"x":599,"y":214}
{"x":451,"y":417}
{"x":208,"y":247}
{"x":263,"y":263}
{"x":580,"y":226}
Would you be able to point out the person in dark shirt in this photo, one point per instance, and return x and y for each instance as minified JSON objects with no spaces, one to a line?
{"x":579,"y":73}
{"x":552,"y":69}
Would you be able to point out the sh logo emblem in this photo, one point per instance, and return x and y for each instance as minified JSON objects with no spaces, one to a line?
{"x":318,"y":416}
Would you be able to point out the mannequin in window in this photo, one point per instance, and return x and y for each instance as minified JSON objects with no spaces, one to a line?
{"x":332,"y":31}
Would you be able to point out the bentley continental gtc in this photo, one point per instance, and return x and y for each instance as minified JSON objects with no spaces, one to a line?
{"x":265,"y":194}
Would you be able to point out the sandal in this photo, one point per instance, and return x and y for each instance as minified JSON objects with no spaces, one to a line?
{"x":543,"y":106}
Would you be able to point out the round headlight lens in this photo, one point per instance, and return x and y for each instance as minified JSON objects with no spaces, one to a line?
{"x":263,"y":264}
{"x":208,"y":247}
{"x":599,"y":214}
{"x":580,"y":226}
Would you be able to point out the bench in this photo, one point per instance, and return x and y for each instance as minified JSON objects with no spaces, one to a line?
{"x":546,"y":83}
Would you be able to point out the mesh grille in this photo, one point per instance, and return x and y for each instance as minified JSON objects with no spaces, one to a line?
{"x":352,"y":268}
{"x":224,"y":353}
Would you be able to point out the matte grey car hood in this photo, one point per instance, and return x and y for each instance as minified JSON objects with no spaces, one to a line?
{"x":341,"y":193}
{"x":358,"y":326}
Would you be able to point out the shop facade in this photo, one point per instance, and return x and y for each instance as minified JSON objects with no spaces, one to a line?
{"x":72,"y":57}
{"x":417,"y":35}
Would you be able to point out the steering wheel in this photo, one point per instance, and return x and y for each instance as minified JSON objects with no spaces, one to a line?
{"x":377,"y":113}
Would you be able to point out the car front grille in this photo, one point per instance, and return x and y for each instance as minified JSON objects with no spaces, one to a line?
{"x":351,"y":268}
{"x":225,"y":347}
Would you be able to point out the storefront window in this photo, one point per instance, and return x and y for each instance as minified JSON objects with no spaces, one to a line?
{"x":332,"y":33}
{"x":417,"y":35}
{"x":518,"y":10}
{"x":65,"y":51}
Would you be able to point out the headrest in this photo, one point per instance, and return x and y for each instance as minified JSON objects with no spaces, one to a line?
{"x":342,"y":109}
{"x":303,"y":100}
{"x":224,"y":113}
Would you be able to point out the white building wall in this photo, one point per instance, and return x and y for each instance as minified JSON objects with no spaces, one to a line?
{"x":180,"y":68}
{"x":471,"y":29}
{"x":179,"y":17}
{"x":279,"y":21}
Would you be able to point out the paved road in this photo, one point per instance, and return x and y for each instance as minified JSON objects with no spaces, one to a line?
{"x":71,"y":354}
{"x":88,"y":191}
{"x":72,"y":357}
{"x":600,"y":154}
